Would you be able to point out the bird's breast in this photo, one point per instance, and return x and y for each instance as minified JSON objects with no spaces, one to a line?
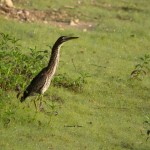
{"x":46,"y":85}
{"x":50,"y":73}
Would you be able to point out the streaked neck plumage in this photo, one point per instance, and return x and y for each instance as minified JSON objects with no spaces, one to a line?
{"x":54,"y":58}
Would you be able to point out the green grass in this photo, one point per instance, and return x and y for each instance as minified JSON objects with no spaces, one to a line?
{"x":110,"y":111}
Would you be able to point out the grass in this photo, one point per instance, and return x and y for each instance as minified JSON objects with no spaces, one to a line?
{"x":111,"y":109}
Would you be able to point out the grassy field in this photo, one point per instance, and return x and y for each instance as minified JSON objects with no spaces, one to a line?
{"x":98,"y":105}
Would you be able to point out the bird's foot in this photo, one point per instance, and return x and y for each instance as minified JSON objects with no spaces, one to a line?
{"x":41,"y":108}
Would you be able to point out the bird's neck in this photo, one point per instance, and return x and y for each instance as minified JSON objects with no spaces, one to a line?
{"x":54,"y":59}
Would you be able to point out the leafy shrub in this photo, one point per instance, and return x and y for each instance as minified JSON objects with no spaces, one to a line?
{"x":17,"y":67}
{"x":142,"y":68}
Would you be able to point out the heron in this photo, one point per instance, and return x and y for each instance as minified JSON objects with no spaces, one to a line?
{"x":41,"y":82}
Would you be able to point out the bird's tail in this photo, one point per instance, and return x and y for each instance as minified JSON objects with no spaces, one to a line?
{"x":22,"y":99}
{"x":25,"y":95}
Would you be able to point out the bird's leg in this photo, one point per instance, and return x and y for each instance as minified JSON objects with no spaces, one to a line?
{"x":41,"y":108}
{"x":34,"y":101}
{"x":35,"y":105}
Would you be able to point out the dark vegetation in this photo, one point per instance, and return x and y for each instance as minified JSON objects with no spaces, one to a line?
{"x":142,"y":68}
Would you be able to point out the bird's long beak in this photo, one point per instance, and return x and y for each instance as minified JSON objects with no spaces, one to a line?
{"x":70,"y":38}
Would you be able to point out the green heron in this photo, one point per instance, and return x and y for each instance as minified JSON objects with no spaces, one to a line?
{"x":42,"y":80}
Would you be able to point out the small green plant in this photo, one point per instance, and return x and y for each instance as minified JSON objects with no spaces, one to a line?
{"x":76,"y":85}
{"x":142,"y":68}
{"x":7,"y":116}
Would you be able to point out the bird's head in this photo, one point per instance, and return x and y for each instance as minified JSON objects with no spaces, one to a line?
{"x":63,"y":39}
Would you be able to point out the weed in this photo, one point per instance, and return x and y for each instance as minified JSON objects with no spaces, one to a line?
{"x":142,"y":68}
{"x":76,"y":85}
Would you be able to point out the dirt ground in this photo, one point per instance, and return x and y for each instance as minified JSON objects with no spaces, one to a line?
{"x":53,"y":17}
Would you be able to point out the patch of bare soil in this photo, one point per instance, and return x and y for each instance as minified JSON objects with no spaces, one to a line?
{"x":54,"y":17}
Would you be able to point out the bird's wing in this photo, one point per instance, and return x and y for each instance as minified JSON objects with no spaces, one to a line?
{"x":37,"y":83}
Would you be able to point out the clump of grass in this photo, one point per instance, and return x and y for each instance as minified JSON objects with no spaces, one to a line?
{"x":142,"y":68}
{"x":76,"y":85}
